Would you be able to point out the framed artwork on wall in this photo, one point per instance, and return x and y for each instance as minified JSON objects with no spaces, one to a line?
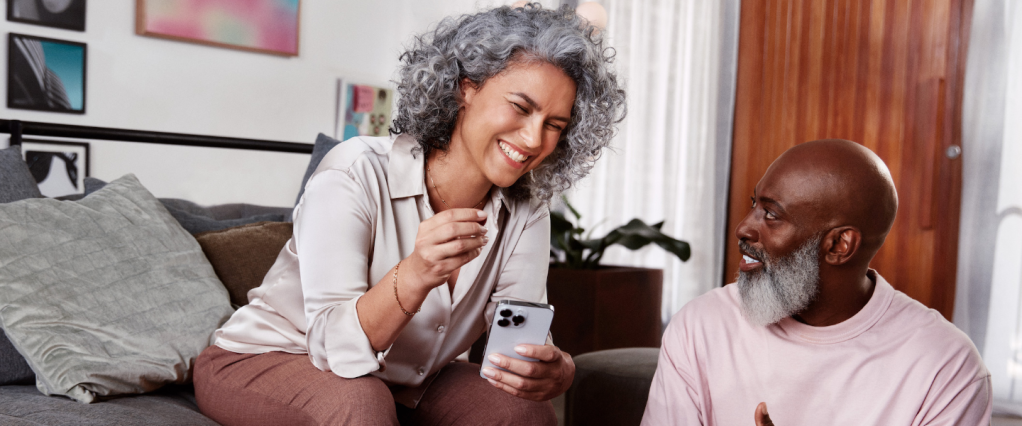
{"x":362,"y":110}
{"x":266,"y":26}
{"x":59,"y":167}
{"x":45,"y":74}
{"x":66,"y":14}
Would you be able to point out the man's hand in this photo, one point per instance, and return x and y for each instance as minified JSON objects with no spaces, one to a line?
{"x":762,"y":417}
{"x":540,"y":380}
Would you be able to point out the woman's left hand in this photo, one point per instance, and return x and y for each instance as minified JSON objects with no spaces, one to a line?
{"x":540,"y":380}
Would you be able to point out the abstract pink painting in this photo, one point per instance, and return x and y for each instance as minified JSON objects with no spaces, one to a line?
{"x":269,"y":26}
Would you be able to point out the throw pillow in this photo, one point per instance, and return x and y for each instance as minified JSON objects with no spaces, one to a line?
{"x":323,"y":145}
{"x":197,"y":219}
{"x":242,"y":255}
{"x":16,"y":181}
{"x":107,"y":295}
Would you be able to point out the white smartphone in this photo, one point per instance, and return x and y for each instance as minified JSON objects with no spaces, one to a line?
{"x":515,"y":323}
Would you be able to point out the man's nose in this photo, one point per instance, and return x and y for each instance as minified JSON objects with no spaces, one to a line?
{"x":746,"y":230}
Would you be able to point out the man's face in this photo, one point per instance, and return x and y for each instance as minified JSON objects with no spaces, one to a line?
{"x":779,"y":270}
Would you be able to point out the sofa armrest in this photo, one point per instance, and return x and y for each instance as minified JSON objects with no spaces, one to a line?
{"x":610,"y":387}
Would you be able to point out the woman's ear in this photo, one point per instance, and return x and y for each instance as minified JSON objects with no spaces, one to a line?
{"x":467,"y":91}
{"x":840,"y":244}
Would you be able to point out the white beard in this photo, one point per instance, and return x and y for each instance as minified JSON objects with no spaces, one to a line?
{"x":782,"y":288}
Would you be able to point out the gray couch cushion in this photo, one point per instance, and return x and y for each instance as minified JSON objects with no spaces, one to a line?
{"x":13,"y":368}
{"x":197,"y":219}
{"x":174,"y":405}
{"x":323,"y":145}
{"x":107,"y":295}
{"x":610,"y":387}
{"x":16,"y":181}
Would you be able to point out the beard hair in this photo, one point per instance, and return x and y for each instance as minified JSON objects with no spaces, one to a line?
{"x":782,"y":288}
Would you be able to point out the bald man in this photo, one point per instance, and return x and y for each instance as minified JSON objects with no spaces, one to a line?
{"x":809,"y":330}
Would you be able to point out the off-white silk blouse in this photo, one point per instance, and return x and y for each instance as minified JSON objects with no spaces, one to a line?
{"x":359,"y":216}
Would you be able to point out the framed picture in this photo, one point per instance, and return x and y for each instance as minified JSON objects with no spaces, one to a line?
{"x":267,"y":26}
{"x":66,"y":14}
{"x":45,"y":74}
{"x":362,"y":110}
{"x":59,"y":167}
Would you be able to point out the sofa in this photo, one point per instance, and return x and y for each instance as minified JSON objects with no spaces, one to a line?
{"x":208,"y":257}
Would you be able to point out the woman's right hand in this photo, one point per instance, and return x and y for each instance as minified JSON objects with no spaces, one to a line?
{"x":443,"y":244}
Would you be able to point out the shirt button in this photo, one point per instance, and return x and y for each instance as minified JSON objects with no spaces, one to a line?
{"x":440,"y":329}
{"x":422,"y":371}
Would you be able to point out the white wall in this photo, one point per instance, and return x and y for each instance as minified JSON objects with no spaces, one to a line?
{"x":152,"y":84}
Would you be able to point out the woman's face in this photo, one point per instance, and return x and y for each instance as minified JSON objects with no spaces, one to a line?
{"x":513,"y":122}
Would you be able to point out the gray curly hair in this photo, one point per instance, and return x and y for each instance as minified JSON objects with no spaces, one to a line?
{"x":481,"y":46}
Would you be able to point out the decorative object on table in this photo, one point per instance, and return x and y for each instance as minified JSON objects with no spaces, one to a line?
{"x":66,"y":14}
{"x":604,"y":307}
{"x":363,"y":110}
{"x":59,"y":167}
{"x":266,"y":26}
{"x":45,"y":74}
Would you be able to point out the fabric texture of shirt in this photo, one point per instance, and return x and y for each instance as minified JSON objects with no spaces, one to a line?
{"x":358,"y":217}
{"x":895,"y":362}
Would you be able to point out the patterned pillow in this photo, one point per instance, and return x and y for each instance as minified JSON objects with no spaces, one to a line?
{"x":107,"y":295}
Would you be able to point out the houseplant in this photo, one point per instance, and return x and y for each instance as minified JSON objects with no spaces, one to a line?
{"x":604,"y":307}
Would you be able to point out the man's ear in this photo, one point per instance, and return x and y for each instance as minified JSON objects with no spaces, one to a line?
{"x":467,"y":91}
{"x":840,"y":245}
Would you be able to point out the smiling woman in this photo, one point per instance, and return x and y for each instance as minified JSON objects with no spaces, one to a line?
{"x":404,"y":245}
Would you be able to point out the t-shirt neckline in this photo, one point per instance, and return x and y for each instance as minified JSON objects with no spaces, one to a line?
{"x":863,"y":320}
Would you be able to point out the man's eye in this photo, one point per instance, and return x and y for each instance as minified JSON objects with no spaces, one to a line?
{"x":753,"y":201}
{"x":770,"y":215}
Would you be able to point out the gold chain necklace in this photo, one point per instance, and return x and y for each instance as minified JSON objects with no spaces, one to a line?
{"x":442,"y":197}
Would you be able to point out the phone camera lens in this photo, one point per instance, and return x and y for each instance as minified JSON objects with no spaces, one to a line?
{"x":505,"y":313}
{"x":503,"y":322}
{"x":518,"y":319}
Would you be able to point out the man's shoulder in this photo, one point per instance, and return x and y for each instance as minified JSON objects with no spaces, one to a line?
{"x":718,"y":308}
{"x":931,"y":336}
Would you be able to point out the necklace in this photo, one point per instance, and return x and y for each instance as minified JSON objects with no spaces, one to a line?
{"x":442,"y":197}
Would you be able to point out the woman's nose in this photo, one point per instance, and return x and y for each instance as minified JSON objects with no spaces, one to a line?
{"x":532,"y":133}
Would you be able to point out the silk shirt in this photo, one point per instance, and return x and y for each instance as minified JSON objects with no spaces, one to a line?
{"x":358,"y":217}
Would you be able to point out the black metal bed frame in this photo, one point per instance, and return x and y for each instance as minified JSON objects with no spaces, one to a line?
{"x":17,"y":129}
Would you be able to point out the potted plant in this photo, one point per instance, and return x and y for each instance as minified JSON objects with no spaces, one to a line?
{"x":604,"y":307}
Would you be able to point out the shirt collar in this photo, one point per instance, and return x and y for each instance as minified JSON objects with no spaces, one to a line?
{"x":406,"y":168}
{"x":407,"y":171}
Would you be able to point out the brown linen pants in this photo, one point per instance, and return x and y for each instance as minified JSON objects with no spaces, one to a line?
{"x":277,"y":388}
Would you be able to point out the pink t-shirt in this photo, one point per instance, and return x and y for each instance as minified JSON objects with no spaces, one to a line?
{"x":895,"y":362}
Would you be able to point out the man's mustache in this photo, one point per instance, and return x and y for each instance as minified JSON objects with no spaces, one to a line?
{"x":761,"y":256}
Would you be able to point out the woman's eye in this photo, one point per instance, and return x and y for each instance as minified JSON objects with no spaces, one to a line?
{"x":554,"y":127}
{"x":519,"y":107}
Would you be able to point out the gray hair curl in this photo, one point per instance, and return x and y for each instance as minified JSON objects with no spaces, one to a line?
{"x":481,"y":46}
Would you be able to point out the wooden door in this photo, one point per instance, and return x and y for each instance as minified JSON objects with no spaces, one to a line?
{"x":885,"y":73}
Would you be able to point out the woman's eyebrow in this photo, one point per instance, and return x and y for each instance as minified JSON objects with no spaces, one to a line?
{"x":534,"y":105}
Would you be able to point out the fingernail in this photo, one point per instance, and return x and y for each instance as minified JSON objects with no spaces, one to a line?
{"x":489,"y":372}
{"x":494,"y":359}
{"x":486,"y":239}
{"x":520,"y":349}
{"x":482,"y":229}
{"x":493,"y":382}
{"x":481,"y":213}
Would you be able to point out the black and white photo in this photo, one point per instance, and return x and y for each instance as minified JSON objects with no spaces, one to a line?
{"x":59,"y":167}
{"x":66,"y":14}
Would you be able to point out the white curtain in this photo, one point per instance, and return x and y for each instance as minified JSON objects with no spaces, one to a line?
{"x":670,"y":160}
{"x":988,"y":305}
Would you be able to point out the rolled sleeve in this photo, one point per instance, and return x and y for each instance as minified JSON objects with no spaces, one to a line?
{"x":523,"y":277}
{"x":334,"y":225}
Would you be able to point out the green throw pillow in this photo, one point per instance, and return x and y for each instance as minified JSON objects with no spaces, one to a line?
{"x":107,"y":295}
